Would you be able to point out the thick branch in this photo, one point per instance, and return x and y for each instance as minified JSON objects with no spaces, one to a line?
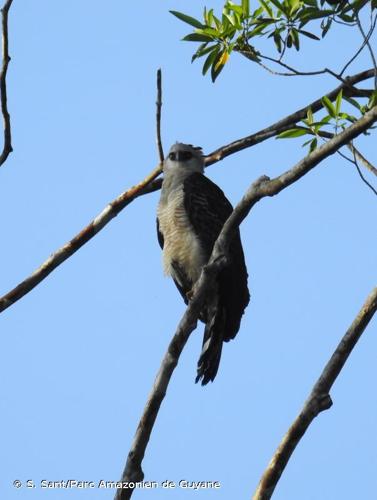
{"x":7,"y":147}
{"x":318,"y":401}
{"x":148,"y":185}
{"x":261,"y":188}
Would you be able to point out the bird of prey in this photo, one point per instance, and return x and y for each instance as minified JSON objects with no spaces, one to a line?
{"x":191,"y":213}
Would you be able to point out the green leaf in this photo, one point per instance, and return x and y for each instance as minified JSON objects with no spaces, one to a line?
{"x":210,"y":59}
{"x":312,"y":3}
{"x":374,"y":4}
{"x":267,"y":8}
{"x":313,"y":144}
{"x":346,"y":18}
{"x":309,"y":35}
{"x":217,"y":67}
{"x":245,"y":8}
{"x":293,"y":132}
{"x":338,"y":102}
{"x":326,"y":26}
{"x":309,"y":115}
{"x":257,"y":31}
{"x":202,"y":51}
{"x":353,"y":102}
{"x":329,"y":106}
{"x":187,"y":19}
{"x":280,"y":7}
{"x":278,"y":41}
{"x":295,"y":39}
{"x":196,"y":37}
{"x":289,"y":39}
{"x":372,"y":100}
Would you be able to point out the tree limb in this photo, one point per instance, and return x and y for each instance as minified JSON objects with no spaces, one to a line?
{"x":7,"y":147}
{"x":158,"y":117}
{"x":63,"y":253}
{"x":287,"y":122}
{"x":261,"y":188}
{"x":149,"y":185}
{"x":318,"y":401}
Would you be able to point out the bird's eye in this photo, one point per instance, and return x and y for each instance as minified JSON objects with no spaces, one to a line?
{"x":180,"y":155}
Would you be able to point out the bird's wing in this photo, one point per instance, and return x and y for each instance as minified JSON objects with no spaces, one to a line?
{"x":207,"y":208}
{"x":160,"y":236}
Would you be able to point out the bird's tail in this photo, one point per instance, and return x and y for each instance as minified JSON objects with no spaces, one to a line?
{"x":209,"y":360}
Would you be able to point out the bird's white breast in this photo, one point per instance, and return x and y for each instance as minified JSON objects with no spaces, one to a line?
{"x":180,"y":242}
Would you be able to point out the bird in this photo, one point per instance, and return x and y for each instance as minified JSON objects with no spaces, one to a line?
{"x":190,"y":215}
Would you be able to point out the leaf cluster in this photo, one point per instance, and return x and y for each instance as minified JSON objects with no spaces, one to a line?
{"x":281,"y":21}
{"x":335,"y":119}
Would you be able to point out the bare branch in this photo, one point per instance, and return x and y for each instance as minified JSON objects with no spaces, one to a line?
{"x":7,"y":147}
{"x":149,"y":185}
{"x":109,"y":212}
{"x":158,"y":117}
{"x":263,"y":187}
{"x":318,"y":401}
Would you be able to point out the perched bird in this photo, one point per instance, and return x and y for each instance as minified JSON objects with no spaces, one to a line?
{"x":191,"y":213}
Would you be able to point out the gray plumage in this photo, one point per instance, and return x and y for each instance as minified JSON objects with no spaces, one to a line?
{"x":191,"y":213}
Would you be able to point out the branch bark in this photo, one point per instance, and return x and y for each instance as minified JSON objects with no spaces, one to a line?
{"x":318,"y":401}
{"x":158,"y":117}
{"x":261,"y":188}
{"x":150,"y":184}
{"x":7,"y":147}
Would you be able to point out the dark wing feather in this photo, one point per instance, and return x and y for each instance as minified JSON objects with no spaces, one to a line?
{"x":208,"y":209}
{"x":160,"y":236}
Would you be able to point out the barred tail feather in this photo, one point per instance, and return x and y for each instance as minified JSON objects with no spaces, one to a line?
{"x":210,"y":356}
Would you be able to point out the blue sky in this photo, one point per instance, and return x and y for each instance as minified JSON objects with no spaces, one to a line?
{"x":80,"y":352}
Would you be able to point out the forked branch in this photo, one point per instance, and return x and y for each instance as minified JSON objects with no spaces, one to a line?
{"x":263,"y":187}
{"x":149,"y":184}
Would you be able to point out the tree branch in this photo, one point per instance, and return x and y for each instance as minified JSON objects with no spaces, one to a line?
{"x":261,"y":188}
{"x":287,"y":122}
{"x":7,"y":147}
{"x":149,"y":185}
{"x":318,"y":401}
{"x":158,"y":117}
{"x":109,"y":212}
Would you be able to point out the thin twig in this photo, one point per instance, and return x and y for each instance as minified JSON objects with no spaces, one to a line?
{"x":318,"y":401}
{"x":367,"y":164}
{"x":361,"y":175}
{"x":366,"y":39}
{"x":263,"y":187}
{"x":357,"y":156}
{"x":365,"y":42}
{"x":7,"y":147}
{"x":149,"y":185}
{"x":158,"y":117}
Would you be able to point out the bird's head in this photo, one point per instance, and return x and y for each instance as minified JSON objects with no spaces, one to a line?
{"x":184,"y":158}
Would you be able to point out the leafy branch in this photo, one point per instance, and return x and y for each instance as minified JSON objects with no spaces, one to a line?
{"x":239,"y":28}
